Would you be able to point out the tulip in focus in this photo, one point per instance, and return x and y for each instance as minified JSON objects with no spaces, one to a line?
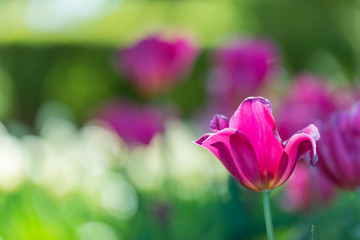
{"x":135,"y":124}
{"x":306,"y":188}
{"x":339,"y":148}
{"x":240,"y":69}
{"x":154,"y":64}
{"x":250,"y":148}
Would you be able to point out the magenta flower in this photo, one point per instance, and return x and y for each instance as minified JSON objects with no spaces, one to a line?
{"x":309,"y":90}
{"x":135,"y":124}
{"x":307,"y":188}
{"x":240,"y":69}
{"x":339,"y":148}
{"x":154,"y":65}
{"x":250,"y":148}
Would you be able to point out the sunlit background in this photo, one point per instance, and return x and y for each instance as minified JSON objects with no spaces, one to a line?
{"x":100,"y":101}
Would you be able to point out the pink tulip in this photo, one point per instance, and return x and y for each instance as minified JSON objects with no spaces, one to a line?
{"x":154,"y":65}
{"x":306,"y":188}
{"x":240,"y":69}
{"x":135,"y":124}
{"x":310,"y":99}
{"x":339,"y":148}
{"x":250,"y":148}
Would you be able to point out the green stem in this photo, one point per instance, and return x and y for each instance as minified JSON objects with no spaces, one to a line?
{"x":267,"y":214}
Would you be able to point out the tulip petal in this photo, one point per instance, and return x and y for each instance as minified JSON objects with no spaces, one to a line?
{"x":218,"y":144}
{"x":302,"y":143}
{"x":222,"y":145}
{"x":254,"y":118}
{"x":298,"y":145}
{"x":203,"y":139}
{"x":328,"y":167}
{"x":284,"y":170}
{"x":219,"y":122}
{"x":223,"y":136}
{"x":245,"y":159}
{"x":340,"y":146}
{"x":312,"y":130}
{"x":355,"y":117}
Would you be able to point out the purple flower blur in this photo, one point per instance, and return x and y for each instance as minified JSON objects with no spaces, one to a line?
{"x":306,"y":188}
{"x":250,"y":148}
{"x":154,"y":64}
{"x":135,"y":124}
{"x":339,"y":148}
{"x":308,"y":100}
{"x":240,"y":69}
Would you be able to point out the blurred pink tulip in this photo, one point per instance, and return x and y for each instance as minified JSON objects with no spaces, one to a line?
{"x":154,"y":65}
{"x":309,"y":100}
{"x":339,"y":148}
{"x":250,"y":148}
{"x":240,"y":69}
{"x":306,"y":188}
{"x":135,"y":124}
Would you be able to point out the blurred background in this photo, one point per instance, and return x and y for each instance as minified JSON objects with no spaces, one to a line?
{"x":100,"y":101}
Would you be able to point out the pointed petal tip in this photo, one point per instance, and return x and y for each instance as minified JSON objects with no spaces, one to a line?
{"x":252,"y":100}
{"x":202,"y":139}
{"x":311,"y":130}
{"x":251,"y":107}
{"x":259,"y":98}
{"x":314,"y":160}
{"x":300,"y":145}
{"x":314,"y":132}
